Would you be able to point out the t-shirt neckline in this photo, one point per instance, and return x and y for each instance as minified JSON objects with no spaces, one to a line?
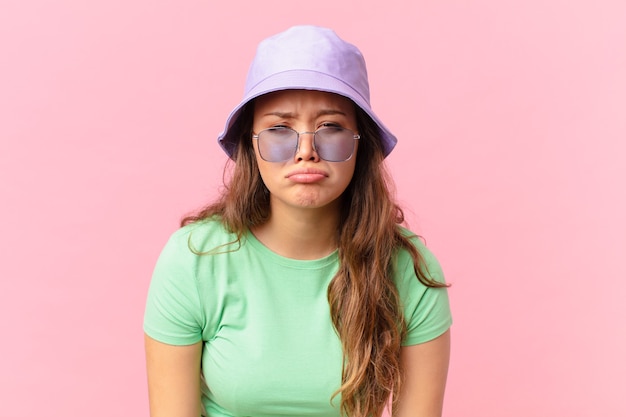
{"x":290,"y":262}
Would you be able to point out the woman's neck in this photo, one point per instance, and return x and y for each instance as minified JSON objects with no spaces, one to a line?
{"x":300,"y":233}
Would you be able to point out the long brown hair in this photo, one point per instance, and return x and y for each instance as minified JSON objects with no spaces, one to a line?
{"x":364,"y":301}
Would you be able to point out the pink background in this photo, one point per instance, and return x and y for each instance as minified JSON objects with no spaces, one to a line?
{"x":512,"y":124}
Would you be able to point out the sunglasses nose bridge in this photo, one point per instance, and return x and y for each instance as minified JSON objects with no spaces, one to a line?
{"x":299,"y":141}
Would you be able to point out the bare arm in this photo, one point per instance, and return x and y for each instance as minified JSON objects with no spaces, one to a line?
{"x":173,"y":379}
{"x":425,"y":367}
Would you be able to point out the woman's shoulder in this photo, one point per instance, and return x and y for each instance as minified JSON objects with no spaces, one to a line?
{"x":419,"y":244}
{"x":431,"y":265}
{"x":201,"y":236}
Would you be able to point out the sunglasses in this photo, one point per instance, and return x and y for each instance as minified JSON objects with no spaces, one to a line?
{"x":332,"y":144}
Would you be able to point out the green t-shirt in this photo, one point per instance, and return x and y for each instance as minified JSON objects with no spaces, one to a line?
{"x":269,"y":345}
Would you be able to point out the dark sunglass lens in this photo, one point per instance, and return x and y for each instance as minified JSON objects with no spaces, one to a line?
{"x":277,"y":144}
{"x":334,"y":144}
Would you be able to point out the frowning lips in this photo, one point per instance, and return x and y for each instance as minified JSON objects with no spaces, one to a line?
{"x":306,"y":175}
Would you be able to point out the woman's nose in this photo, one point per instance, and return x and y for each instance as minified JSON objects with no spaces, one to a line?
{"x":306,"y":147}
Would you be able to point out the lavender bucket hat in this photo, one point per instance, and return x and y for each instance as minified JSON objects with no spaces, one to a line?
{"x":306,"y":58}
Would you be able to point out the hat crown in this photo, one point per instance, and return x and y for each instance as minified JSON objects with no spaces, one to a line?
{"x":309,"y":48}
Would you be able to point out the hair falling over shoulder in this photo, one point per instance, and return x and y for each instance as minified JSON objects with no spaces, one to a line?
{"x":363,"y":298}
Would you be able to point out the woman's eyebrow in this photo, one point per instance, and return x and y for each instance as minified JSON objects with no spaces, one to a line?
{"x":282,"y":115}
{"x":291,"y":115}
{"x":330,"y":112}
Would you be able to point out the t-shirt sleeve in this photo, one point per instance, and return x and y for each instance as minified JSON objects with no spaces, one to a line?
{"x":426,"y":309}
{"x":173,"y":313}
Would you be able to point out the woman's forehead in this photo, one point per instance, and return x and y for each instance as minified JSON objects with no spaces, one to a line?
{"x":289,"y":103}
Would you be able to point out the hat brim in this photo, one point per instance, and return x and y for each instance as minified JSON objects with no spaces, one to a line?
{"x":302,"y":80}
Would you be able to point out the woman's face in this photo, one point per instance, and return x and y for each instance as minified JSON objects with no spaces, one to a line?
{"x":304,"y":180}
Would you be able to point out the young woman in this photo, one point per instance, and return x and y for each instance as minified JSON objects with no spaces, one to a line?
{"x":298,"y":293}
